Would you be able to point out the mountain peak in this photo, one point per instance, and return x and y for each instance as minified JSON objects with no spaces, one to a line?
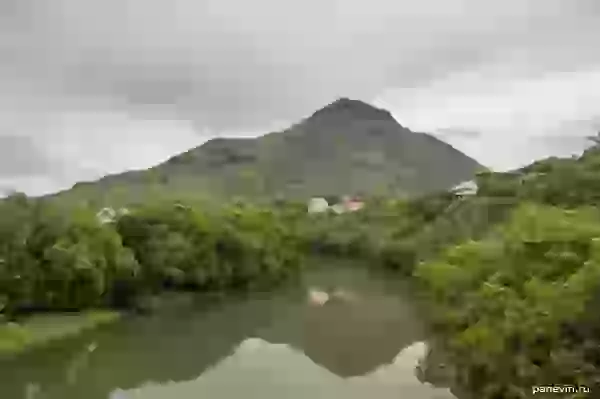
{"x":348,"y":147}
{"x":346,"y":108}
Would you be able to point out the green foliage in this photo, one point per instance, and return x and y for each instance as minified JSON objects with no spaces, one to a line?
{"x":568,"y":182}
{"x":385,"y":232}
{"x":51,"y":260}
{"x":42,"y":328}
{"x":503,"y":302}
{"x":57,"y":259}
{"x":237,"y":247}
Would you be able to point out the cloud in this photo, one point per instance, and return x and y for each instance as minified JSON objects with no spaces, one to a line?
{"x":81,"y":81}
{"x":518,"y":119}
{"x":449,"y":133}
{"x":21,"y":157}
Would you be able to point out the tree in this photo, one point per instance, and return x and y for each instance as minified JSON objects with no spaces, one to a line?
{"x":595,"y":139}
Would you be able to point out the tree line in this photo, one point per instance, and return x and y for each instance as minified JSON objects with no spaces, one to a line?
{"x":53,"y":258}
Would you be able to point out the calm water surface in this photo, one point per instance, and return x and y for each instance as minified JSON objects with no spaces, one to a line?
{"x":264,"y":346}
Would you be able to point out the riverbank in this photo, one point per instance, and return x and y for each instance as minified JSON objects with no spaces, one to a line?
{"x":41,"y":329}
{"x":257,"y":344}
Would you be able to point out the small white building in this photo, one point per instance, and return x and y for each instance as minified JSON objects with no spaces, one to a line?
{"x":109,"y":215}
{"x":317,"y":205}
{"x":338,"y":208}
{"x":106,"y":215}
{"x":466,"y":188}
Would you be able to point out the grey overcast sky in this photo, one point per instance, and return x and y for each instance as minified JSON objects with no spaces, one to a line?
{"x":89,"y":87}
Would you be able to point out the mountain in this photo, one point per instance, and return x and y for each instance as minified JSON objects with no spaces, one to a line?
{"x":347,"y":147}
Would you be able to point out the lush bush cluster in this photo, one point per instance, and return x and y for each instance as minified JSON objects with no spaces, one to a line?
{"x":517,"y":306}
{"x":564,"y":182}
{"x":505,"y":301}
{"x":183,"y":247}
{"x":397,"y":234}
{"x":54,"y":259}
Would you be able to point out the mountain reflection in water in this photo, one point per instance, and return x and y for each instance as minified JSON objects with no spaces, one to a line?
{"x":259,"y":369}
{"x":269,"y":345}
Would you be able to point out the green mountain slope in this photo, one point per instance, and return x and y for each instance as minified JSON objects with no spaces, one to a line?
{"x":347,"y":147}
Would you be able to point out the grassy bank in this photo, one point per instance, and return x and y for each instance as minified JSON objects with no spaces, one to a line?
{"x":40,"y":329}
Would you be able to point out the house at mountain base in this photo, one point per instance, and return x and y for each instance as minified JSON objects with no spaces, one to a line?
{"x":109,"y":215}
{"x":352,"y":204}
{"x":317,"y":205}
{"x":466,"y":188}
{"x":347,"y":204}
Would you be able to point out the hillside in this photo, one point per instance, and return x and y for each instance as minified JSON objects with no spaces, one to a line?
{"x":347,"y":147}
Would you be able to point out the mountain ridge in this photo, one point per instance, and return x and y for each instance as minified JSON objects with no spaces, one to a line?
{"x":345,"y":147}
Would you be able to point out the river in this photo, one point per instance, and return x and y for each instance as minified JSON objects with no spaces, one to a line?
{"x":276,"y":345}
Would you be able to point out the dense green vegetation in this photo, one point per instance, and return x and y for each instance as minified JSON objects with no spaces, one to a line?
{"x":506,"y":302}
{"x":57,"y":259}
{"x":517,"y":307}
{"x":384,"y":232}
{"x":398,"y":234}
